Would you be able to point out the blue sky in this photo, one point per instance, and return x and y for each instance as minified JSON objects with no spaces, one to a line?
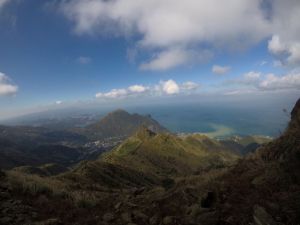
{"x":61,"y":52}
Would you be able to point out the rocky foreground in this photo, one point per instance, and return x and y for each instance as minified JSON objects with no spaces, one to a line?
{"x":162,"y":179}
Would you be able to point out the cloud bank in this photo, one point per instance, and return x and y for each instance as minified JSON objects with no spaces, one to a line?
{"x":177,"y":32}
{"x":256,"y":81}
{"x":169,"y":87}
{"x":6,"y":86}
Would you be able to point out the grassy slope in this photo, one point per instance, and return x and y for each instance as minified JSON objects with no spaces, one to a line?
{"x":268,"y":179}
{"x":168,"y":155}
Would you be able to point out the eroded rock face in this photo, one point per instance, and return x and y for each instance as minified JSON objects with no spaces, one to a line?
{"x":209,"y":200}
{"x":261,"y":217}
{"x":295,"y":110}
{"x":108,"y":217}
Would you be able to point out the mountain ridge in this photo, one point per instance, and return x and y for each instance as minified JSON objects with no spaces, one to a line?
{"x":120,"y":123}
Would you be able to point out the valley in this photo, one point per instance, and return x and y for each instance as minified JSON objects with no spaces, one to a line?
{"x":144,"y":174}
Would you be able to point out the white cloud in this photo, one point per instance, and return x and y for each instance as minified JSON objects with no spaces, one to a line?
{"x":220,"y":69}
{"x":277,"y":63}
{"x":189,"y":85}
{"x":131,"y":91}
{"x":6,"y":87}
{"x":275,"y":46}
{"x":285,"y":42}
{"x":175,"y":57}
{"x":137,"y":88}
{"x":3,"y":2}
{"x":168,"y":87}
{"x":273,"y":82}
{"x":256,"y":81}
{"x":84,"y":60}
{"x":171,"y":28}
{"x":288,"y":52}
{"x":114,"y":93}
{"x":252,"y":76}
{"x":58,"y":102}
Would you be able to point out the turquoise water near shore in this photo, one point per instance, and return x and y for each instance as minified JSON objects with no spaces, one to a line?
{"x":221,"y":120}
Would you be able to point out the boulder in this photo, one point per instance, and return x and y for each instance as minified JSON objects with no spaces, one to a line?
{"x":126,"y":217}
{"x":261,"y":217}
{"x":108,"y":217}
{"x":168,"y":220}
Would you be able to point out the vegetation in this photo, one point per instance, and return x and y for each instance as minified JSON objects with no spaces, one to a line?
{"x":159,"y":178}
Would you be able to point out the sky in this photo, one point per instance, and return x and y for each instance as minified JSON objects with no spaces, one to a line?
{"x":59,"y":53}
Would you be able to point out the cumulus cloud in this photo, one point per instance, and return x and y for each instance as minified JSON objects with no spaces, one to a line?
{"x":273,"y":82}
{"x":168,"y":87}
{"x":275,"y":46}
{"x":256,"y":81}
{"x":252,"y":76}
{"x":84,"y":60}
{"x":137,"y":88}
{"x":131,"y":91}
{"x":3,"y":2}
{"x":165,"y":26}
{"x":285,"y":42}
{"x":171,"y":28}
{"x":288,"y":52}
{"x":175,"y":57}
{"x":220,"y":69}
{"x":6,"y":86}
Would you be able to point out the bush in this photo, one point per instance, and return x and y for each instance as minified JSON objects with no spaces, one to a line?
{"x":84,"y":200}
{"x":2,"y":174}
{"x":33,"y":184}
{"x":168,"y":183}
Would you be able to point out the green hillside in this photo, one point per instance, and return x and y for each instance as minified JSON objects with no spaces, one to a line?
{"x":163,"y":179}
{"x":168,"y":155}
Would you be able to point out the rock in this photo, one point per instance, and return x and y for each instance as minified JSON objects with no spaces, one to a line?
{"x":139,"y":215}
{"x":53,"y":221}
{"x":209,"y":200}
{"x":4,"y":195}
{"x":167,"y":220}
{"x":2,"y":174}
{"x":295,"y":110}
{"x":154,"y":220}
{"x":118,"y":205}
{"x":194,"y":210}
{"x":5,"y":220}
{"x":138,"y":191}
{"x":126,"y":217}
{"x":108,"y":217}
{"x":130,"y":204}
{"x":261,"y":217}
{"x":208,"y":218}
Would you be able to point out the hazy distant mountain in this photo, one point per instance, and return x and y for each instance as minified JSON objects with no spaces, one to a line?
{"x":20,"y":146}
{"x":160,"y":178}
{"x":120,"y":123}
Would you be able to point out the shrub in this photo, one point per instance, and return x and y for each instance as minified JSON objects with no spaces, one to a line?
{"x":168,"y":183}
